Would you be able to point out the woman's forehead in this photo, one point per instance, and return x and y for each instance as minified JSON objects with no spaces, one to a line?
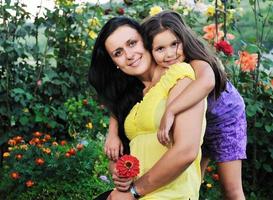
{"x":120,"y":37}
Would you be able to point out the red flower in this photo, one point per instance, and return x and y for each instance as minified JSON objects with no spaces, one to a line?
{"x":85,"y":102}
{"x":63,"y":142}
{"x":225,"y":47}
{"x":79,"y":147}
{"x":209,"y":169}
{"x":127,"y":166}
{"x":39,"y":161}
{"x":272,"y":82}
{"x":72,"y":151}
{"x":29,"y":183}
{"x":18,"y":156}
{"x":37,"y":134}
{"x":15,"y":175}
{"x":120,"y":11}
{"x":215,"y":177}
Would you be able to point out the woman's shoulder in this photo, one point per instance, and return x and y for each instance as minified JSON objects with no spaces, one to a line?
{"x":180,"y":70}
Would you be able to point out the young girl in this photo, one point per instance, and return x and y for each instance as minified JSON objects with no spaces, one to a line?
{"x":170,"y":40}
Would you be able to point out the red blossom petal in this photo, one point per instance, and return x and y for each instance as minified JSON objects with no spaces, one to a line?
{"x":127,"y":166}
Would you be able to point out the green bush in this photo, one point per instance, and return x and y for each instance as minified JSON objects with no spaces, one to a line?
{"x":44,"y":169}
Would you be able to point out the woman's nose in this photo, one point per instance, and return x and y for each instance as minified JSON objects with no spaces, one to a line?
{"x":129,"y":55}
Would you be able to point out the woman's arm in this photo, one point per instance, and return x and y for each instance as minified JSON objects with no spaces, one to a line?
{"x":192,"y":94}
{"x":187,"y":135}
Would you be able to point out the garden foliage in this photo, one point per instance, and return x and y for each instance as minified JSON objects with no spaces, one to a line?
{"x":44,"y":62}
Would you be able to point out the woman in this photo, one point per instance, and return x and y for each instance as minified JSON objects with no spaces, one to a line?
{"x":122,"y":72}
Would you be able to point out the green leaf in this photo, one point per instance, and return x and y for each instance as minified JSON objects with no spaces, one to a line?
{"x":24,"y":120}
{"x":18,"y":90}
{"x":267,"y":167}
{"x":38,"y":117}
{"x":268,"y":128}
{"x":252,"y":48}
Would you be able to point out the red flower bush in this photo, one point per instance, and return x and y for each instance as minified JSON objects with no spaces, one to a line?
{"x":225,"y":47}
{"x":127,"y":166}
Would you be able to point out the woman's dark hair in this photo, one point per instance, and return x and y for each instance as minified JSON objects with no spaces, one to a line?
{"x":193,"y":47}
{"x":118,"y":91}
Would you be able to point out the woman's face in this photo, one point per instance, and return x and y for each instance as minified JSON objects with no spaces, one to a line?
{"x":167,"y":49}
{"x":126,"y":48}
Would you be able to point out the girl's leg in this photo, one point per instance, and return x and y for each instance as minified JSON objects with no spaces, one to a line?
{"x":231,"y":179}
{"x":204,"y":164}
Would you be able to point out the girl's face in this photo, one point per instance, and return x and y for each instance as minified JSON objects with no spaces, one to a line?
{"x":126,"y":48}
{"x":167,"y":49}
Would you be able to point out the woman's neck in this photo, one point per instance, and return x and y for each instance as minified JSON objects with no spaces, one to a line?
{"x":154,"y":78}
{"x":147,"y":77}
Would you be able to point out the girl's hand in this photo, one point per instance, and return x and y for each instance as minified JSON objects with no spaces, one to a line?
{"x":113,"y":146}
{"x":166,"y":123}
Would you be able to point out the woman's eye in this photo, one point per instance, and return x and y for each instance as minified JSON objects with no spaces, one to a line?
{"x":117,"y":53}
{"x":132,"y":43}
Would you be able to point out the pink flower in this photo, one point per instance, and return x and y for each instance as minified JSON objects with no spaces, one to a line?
{"x":39,"y":82}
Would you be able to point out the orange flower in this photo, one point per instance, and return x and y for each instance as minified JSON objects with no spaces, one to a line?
{"x":55,"y":143}
{"x":46,"y":150}
{"x":209,"y":169}
{"x":37,"y":134}
{"x":6,"y":154}
{"x":210,"y":32}
{"x":79,"y":147}
{"x":47,"y":137}
{"x":29,"y":183}
{"x":247,"y":61}
{"x":18,"y":139}
{"x":39,"y":161}
{"x":63,"y":142}
{"x":12,"y":142}
{"x":19,"y":156}
{"x":272,"y":82}
{"x":14,"y":175}
{"x":67,"y":154}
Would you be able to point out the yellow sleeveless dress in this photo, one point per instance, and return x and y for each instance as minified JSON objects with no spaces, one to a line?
{"x":141,"y":127}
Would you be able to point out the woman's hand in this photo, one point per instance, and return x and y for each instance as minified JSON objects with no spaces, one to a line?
{"x":166,"y":123}
{"x":113,"y":146}
{"x":122,"y":184}
{"x":117,"y":195}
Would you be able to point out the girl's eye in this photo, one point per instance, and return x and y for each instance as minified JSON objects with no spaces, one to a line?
{"x":175,"y":44}
{"x":159,"y":49}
